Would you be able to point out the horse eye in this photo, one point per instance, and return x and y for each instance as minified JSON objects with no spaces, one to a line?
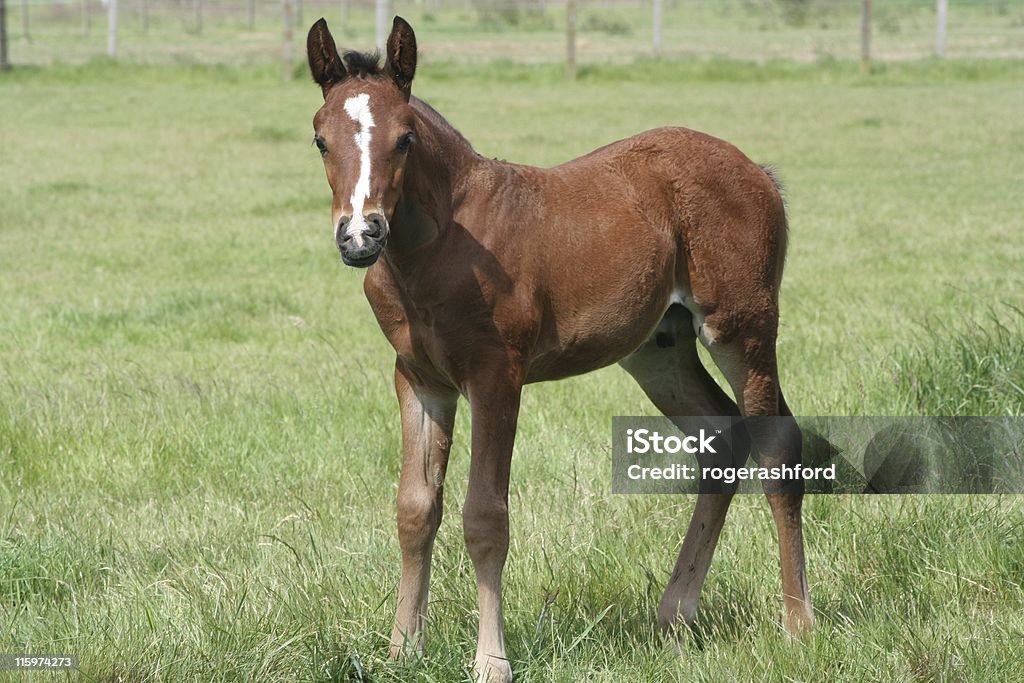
{"x":320,"y":144}
{"x":404,"y":142}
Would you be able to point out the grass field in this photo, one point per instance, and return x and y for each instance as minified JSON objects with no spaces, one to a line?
{"x":199,"y":443}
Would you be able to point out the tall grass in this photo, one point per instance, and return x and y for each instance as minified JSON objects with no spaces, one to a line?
{"x":974,"y":369}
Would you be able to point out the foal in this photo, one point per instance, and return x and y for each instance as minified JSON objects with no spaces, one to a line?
{"x":485,"y":276}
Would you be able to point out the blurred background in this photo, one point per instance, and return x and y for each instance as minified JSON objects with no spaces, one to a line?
{"x":525,"y":31}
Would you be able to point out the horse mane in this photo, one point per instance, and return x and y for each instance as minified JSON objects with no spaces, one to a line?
{"x":362,"y":64}
{"x":438,"y":119}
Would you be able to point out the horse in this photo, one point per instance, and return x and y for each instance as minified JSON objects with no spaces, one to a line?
{"x":486,"y":276}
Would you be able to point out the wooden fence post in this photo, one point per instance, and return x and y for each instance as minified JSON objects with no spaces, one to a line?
{"x":5,"y":65}
{"x":865,"y":35}
{"x":941,"y":12}
{"x":570,"y":40}
{"x":656,"y":28}
{"x":288,"y":51}
{"x":382,"y":13}
{"x":112,"y":28}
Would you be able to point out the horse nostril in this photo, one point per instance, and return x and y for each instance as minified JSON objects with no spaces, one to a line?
{"x":375,"y":225}
{"x":340,"y":236}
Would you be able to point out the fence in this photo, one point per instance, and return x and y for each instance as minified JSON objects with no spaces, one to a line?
{"x":42,"y":32}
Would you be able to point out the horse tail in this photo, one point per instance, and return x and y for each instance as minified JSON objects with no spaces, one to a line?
{"x":783,"y":236}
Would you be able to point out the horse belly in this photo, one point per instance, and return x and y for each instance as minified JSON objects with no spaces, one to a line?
{"x":600,"y":333}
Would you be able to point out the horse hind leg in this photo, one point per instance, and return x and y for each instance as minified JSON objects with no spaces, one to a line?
{"x":670,"y":372}
{"x":745,"y":352}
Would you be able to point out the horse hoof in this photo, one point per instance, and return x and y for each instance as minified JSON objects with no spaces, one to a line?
{"x":492,"y":670}
{"x":674,"y":617}
{"x":799,"y":622}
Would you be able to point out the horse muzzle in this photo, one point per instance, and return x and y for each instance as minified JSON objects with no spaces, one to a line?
{"x":361,"y":239}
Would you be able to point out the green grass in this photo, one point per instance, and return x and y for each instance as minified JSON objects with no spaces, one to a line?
{"x":198,"y":439}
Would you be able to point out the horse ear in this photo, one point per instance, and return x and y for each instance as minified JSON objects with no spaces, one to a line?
{"x":401,"y":55}
{"x":324,"y":61}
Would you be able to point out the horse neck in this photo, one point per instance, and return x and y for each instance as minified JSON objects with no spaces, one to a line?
{"x":433,"y":183}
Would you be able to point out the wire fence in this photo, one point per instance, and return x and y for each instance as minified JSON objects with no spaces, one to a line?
{"x":43,"y":32}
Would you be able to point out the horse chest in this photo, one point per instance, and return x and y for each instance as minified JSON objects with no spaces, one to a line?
{"x":439,"y":339}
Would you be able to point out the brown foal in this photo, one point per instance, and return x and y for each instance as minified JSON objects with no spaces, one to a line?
{"x":485,"y":276}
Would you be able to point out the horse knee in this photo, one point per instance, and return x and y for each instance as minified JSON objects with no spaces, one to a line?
{"x":419,"y":517}
{"x":778,"y":443}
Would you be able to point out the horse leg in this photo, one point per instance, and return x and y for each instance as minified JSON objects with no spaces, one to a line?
{"x":748,"y":361}
{"x":495,"y":406}
{"x":670,"y":372}
{"x":428,"y":416}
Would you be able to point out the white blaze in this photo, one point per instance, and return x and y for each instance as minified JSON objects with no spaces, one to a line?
{"x":358,"y":108}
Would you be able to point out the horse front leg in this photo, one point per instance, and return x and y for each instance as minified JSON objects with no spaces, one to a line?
{"x":495,"y":406}
{"x":428,"y":417}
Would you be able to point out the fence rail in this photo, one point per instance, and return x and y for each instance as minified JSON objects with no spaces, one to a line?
{"x":253,"y":31}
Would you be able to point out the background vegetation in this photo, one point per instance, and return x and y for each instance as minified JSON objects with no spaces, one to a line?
{"x":224,"y":32}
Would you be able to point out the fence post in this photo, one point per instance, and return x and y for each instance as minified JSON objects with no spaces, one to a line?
{"x":298,"y":13}
{"x":941,"y":10}
{"x":251,"y":14}
{"x":112,"y":28}
{"x":197,"y":15}
{"x":570,"y":40}
{"x":382,"y":24}
{"x":656,"y":28}
{"x":288,"y":51}
{"x":24,"y":20}
{"x":5,"y":65}
{"x":865,"y":34}
{"x":86,"y":17}
{"x":144,"y":16}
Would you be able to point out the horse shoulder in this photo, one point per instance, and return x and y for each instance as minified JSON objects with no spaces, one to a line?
{"x":385,"y":300}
